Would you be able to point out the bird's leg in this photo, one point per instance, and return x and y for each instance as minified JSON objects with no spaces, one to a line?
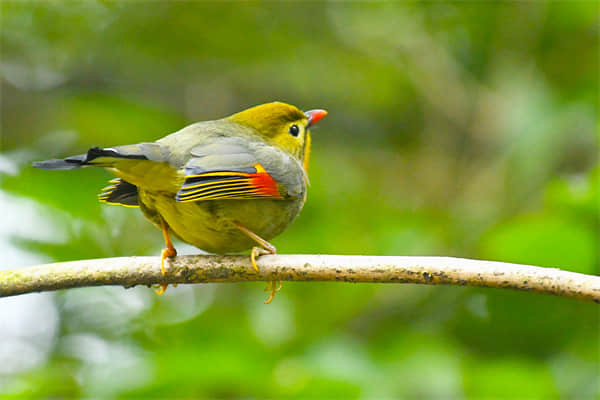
{"x":267,"y":248}
{"x":167,"y":252}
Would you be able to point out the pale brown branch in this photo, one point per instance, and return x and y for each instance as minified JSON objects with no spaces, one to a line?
{"x":131,"y":271}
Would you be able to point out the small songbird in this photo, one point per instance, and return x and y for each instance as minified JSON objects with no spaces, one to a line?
{"x":223,"y":186}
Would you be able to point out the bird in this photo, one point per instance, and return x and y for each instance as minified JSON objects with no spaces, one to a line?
{"x":224,"y":186}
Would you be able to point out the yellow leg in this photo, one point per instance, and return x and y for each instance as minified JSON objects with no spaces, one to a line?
{"x":168,"y":252}
{"x":267,"y":248}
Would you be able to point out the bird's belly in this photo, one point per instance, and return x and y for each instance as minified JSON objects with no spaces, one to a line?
{"x":209,"y":225}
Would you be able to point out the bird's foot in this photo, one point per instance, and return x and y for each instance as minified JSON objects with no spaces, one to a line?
{"x":168,"y":252}
{"x":257,"y":252}
{"x":274,"y":287}
{"x":267,"y":248}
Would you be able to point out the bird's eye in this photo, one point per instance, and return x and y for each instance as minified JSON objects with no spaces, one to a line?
{"x":294,"y":130}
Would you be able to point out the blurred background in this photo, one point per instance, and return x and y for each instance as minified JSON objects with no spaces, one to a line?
{"x":457,"y":129}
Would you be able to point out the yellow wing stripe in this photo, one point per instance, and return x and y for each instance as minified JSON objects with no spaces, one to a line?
{"x":229,"y":185}
{"x":212,"y":183}
{"x":238,"y":195}
{"x":241,"y":195}
{"x":207,"y":192}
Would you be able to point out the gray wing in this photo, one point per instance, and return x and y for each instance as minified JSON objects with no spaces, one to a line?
{"x":233,"y":168}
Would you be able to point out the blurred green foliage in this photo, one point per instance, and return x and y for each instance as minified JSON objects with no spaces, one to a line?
{"x":459,"y":129}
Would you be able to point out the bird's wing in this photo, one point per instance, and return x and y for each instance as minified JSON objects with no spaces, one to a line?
{"x":230,"y":170}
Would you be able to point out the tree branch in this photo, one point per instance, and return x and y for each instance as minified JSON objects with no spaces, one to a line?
{"x":131,"y":271}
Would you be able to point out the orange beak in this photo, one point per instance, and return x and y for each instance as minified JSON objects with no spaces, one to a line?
{"x":314,"y":116}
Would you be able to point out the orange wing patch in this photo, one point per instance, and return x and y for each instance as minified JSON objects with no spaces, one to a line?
{"x":251,"y":183}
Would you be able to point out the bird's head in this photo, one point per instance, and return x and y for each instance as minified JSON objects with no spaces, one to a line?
{"x":282,"y":125}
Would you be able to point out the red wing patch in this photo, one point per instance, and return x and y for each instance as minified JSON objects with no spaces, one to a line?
{"x":251,"y":183}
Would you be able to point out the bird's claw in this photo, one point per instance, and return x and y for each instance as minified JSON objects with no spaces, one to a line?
{"x":257,"y":252}
{"x":274,"y":287}
{"x":267,"y":248}
{"x":269,"y":283}
{"x":168,"y":252}
{"x":163,"y":288}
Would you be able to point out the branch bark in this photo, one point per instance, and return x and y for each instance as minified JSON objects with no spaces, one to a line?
{"x":132,"y":271}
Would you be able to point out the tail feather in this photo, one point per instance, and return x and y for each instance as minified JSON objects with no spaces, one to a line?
{"x":82,"y":160}
{"x":120,"y":192}
{"x":66,"y":163}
